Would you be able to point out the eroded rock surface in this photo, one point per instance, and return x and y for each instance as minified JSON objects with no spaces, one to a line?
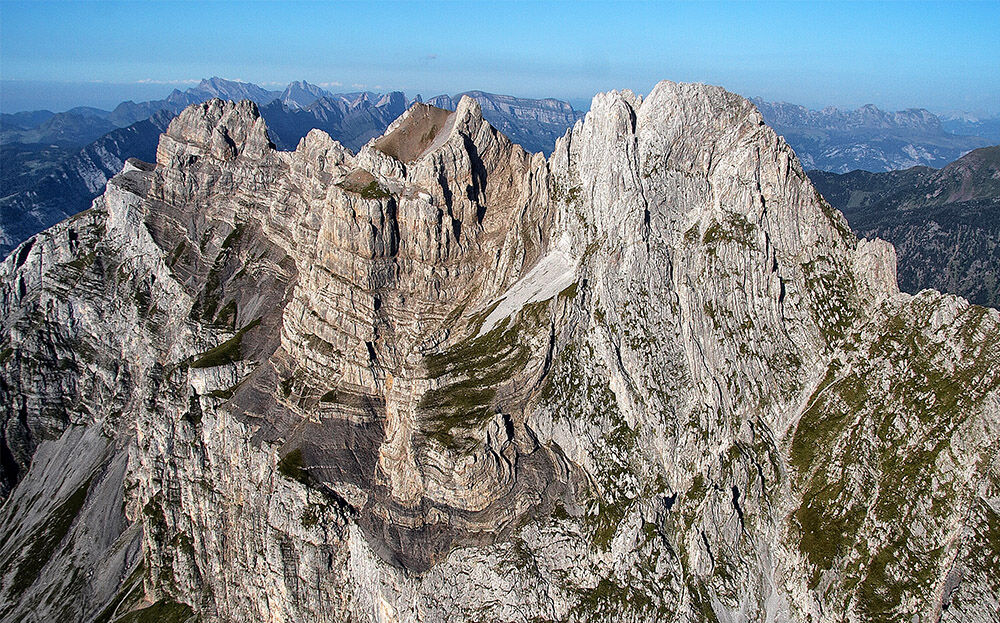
{"x":654,"y":377}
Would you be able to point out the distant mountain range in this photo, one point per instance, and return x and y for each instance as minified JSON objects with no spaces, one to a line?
{"x":72,"y":128}
{"x":54,"y":164}
{"x":944,"y":223}
{"x":353,"y":119}
{"x":40,"y":195}
{"x":987,"y":127}
{"x":868,"y":138}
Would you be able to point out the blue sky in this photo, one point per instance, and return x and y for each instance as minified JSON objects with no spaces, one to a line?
{"x":941,"y":56}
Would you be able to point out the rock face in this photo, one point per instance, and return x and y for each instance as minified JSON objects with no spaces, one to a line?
{"x":654,"y":377}
{"x":868,"y":138}
{"x":300,"y":94}
{"x":945,"y":224}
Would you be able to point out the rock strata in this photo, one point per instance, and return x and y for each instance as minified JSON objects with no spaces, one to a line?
{"x":653,"y":377}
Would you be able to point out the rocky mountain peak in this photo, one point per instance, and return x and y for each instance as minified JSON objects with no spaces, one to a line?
{"x":222,"y":129}
{"x":301,"y":94}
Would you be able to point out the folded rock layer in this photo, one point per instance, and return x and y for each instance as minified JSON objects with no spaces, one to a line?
{"x":654,"y":377}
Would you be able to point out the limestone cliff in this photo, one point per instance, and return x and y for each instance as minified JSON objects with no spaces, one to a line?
{"x":654,"y":377}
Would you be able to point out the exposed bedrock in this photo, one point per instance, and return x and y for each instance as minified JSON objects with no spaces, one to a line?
{"x":654,"y":377}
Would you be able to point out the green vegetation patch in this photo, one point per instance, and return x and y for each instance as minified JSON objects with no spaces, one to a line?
{"x":163,"y":611}
{"x":374,"y":191}
{"x":227,"y":315}
{"x":129,"y":594}
{"x":291,"y":466}
{"x":177,"y":253}
{"x":225,"y":353}
{"x":233,"y":238}
{"x":569,"y":292}
{"x":609,"y":599}
{"x":83,"y":262}
{"x":866,"y":449}
{"x":735,"y":229}
{"x":832,"y":289}
{"x":576,"y":388}
{"x":482,"y":364}
{"x":206,"y":307}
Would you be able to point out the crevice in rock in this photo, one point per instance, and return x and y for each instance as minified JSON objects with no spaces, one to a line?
{"x":739,"y":510}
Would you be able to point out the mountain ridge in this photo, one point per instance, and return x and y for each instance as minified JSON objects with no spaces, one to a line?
{"x":51,"y":183}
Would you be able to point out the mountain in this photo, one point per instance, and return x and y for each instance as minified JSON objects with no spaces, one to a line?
{"x":533,"y":124}
{"x":67,"y":129}
{"x":24,"y":120}
{"x":52,"y":165}
{"x":973,"y":125}
{"x":351,"y":120}
{"x":231,"y":90}
{"x":866,"y":138}
{"x":945,"y":224}
{"x":44,"y":195}
{"x":654,"y":377}
{"x":301,"y":94}
{"x":129,"y":112}
{"x":43,"y":184}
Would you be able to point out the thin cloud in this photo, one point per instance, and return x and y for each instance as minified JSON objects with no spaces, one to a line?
{"x":153,"y":81}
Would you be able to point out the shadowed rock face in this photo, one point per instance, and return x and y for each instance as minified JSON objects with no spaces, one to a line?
{"x":654,"y":377}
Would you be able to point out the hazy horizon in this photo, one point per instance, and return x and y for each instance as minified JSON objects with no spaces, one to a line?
{"x":31,"y":95}
{"x":894,"y":55}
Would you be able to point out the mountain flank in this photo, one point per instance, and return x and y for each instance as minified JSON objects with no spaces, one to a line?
{"x":944,"y":223}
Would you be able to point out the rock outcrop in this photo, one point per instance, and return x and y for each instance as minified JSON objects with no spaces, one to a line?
{"x":654,"y":377}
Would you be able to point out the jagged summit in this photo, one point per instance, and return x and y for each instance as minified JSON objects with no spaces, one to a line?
{"x":424,"y":128}
{"x":222,"y":129}
{"x":652,"y":377}
{"x":533,"y":124}
{"x":301,"y":94}
{"x":232,"y":90}
{"x":415,"y":132}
